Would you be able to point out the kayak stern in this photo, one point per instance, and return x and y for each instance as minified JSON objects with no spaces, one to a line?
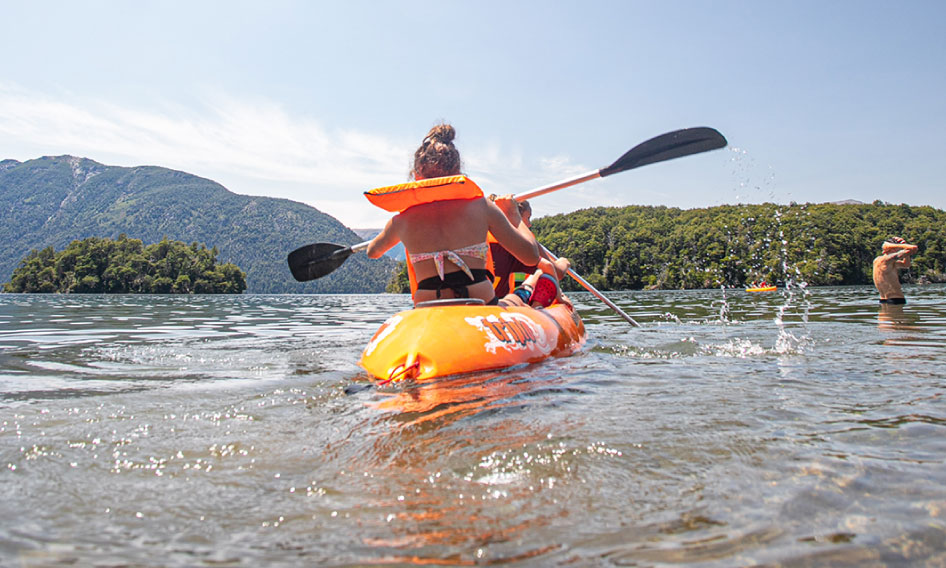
{"x":426,"y":343}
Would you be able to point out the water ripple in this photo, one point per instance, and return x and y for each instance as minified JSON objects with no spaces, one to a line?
{"x":795,"y":428}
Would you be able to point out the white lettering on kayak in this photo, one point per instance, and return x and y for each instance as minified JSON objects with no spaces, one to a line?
{"x":386,"y":329}
{"x":511,"y":331}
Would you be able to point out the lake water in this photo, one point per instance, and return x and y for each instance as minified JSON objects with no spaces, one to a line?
{"x":800,"y":427}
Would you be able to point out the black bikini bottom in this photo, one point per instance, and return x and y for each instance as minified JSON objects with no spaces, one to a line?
{"x":893,"y":300}
{"x":457,"y":282}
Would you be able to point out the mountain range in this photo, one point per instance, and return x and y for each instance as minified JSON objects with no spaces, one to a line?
{"x":53,"y":200}
{"x":397,"y":252}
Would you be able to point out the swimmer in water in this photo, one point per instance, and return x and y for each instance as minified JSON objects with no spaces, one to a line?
{"x":896,"y":256}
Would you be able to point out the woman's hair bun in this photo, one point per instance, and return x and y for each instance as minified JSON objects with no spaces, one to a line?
{"x":437,"y":156}
{"x":443,"y":133}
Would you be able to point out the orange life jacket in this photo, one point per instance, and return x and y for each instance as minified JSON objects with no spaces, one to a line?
{"x":397,"y":198}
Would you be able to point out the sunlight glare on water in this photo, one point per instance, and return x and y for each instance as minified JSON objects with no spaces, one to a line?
{"x":803,"y":426}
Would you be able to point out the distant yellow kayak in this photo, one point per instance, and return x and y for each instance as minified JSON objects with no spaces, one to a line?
{"x":762,"y":289}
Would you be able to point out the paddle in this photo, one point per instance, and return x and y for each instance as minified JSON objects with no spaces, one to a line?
{"x":317,"y":260}
{"x":676,"y":144}
{"x":320,"y":259}
{"x":587,"y":286}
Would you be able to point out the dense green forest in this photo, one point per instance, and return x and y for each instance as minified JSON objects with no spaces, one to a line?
{"x":52,"y":201}
{"x":636,"y":247}
{"x":126,"y":266}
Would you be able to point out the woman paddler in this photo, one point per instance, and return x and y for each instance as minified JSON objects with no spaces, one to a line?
{"x":445,"y":237}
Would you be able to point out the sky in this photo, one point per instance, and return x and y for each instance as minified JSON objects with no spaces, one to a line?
{"x":318,"y":101}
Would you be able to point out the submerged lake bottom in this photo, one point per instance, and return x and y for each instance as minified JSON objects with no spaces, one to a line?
{"x":802,"y":427}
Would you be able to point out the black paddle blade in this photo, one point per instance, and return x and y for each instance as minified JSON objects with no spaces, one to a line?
{"x":316,"y":260}
{"x":667,"y":146}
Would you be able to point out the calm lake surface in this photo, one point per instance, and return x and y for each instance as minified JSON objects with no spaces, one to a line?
{"x":804,"y":427}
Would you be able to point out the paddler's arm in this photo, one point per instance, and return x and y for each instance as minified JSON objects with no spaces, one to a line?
{"x":559,"y":267}
{"x":385,"y":240}
{"x":511,"y":231}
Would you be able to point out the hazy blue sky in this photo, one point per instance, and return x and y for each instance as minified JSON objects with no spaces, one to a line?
{"x":319,"y":101}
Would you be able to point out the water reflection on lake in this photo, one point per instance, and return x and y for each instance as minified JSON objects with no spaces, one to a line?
{"x":799,"y":427}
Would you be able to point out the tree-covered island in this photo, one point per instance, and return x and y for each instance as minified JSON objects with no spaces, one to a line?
{"x":126,"y":266}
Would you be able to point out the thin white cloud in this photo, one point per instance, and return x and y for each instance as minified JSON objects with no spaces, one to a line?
{"x":252,"y":139}
{"x":250,"y":146}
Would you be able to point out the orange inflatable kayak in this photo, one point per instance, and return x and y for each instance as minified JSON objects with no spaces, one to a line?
{"x":443,"y":338}
{"x":762,"y":289}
